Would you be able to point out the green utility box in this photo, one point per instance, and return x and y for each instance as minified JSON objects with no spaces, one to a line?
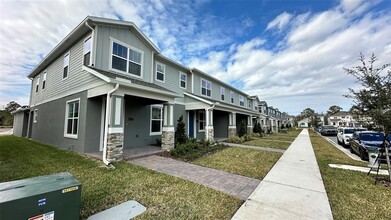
{"x":50,"y":197}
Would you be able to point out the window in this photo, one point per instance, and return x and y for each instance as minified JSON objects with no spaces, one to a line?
{"x":44,"y":81}
{"x":35,"y":115}
{"x":232,"y":97}
{"x":72,"y":119}
{"x":87,"y":51}
{"x":156,"y":119}
{"x":249,"y":103}
{"x":206,"y":88}
{"x":201,"y":121}
{"x":241,"y":100}
{"x":182,"y":80}
{"x":37,"y":84}
{"x":126,"y":59}
{"x":66,"y":66}
{"x":160,"y":71}
{"x":222,"y":93}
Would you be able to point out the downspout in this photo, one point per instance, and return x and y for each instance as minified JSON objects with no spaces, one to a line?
{"x":105,"y":161}
{"x":92,"y":46}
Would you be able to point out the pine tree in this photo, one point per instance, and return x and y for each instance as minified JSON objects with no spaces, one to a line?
{"x":180,"y":134}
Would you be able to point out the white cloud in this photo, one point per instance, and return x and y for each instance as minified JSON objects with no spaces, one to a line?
{"x":280,"y":22}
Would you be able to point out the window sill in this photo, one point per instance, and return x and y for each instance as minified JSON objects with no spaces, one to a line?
{"x":155,"y":133}
{"x":70,"y":136}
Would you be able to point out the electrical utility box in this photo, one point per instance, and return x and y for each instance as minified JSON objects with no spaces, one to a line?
{"x":50,"y":197}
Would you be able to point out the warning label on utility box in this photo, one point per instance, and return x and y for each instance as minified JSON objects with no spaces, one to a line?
{"x":46,"y":216}
{"x":70,"y":189}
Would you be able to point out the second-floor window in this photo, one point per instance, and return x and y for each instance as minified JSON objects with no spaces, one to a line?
{"x":87,"y":51}
{"x":66,"y":66}
{"x":160,"y":71}
{"x":182,"y":80}
{"x":222,"y":93}
{"x":232,"y":97}
{"x":37,"y":84}
{"x":206,"y":87}
{"x":126,"y":59}
{"x":44,"y":80}
{"x":241,"y":100}
{"x":249,"y":103}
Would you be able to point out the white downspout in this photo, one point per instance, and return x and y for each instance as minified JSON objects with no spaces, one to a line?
{"x":92,"y":57}
{"x":107,"y":124}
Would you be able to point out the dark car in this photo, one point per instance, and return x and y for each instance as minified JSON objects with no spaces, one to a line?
{"x":362,"y":140}
{"x":328,"y":130}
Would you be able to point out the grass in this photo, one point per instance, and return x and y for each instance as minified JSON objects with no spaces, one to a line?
{"x":193,"y":150}
{"x":165,"y":197}
{"x":352,"y":194}
{"x":268,"y":143}
{"x":289,"y":136}
{"x":246,"y":162}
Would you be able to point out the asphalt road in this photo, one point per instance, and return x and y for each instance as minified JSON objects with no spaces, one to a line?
{"x":333,"y":140}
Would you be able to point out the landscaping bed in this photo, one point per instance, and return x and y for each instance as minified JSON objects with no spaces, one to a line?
{"x":352,"y":194}
{"x":165,"y":197}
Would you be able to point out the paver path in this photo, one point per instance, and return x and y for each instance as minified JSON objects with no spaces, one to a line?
{"x":293,"y":188}
{"x":255,"y":147}
{"x":235,"y":185}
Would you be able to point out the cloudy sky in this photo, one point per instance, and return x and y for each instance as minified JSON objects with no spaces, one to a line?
{"x":289,"y":53}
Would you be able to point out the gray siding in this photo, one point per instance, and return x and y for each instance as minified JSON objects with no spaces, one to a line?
{"x":172,"y":78}
{"x":93,"y":124}
{"x":20,"y":123}
{"x":126,"y":36}
{"x":50,"y":124}
{"x":56,"y":86}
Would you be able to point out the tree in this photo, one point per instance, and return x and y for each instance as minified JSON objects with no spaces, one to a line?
{"x":242,"y":130}
{"x":180,"y":133}
{"x":257,"y":128}
{"x":11,"y":106}
{"x":334,"y":109}
{"x":308,"y":112}
{"x":314,"y":120}
{"x":6,"y":118}
{"x":326,"y":120}
{"x":373,"y":98}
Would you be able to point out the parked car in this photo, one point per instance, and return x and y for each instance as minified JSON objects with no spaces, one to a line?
{"x":344,"y":134}
{"x":362,"y":140}
{"x":328,"y":130}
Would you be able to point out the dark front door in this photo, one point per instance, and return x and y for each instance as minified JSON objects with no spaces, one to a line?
{"x":191,"y":124}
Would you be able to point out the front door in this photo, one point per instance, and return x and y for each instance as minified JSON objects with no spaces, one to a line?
{"x":191,"y":124}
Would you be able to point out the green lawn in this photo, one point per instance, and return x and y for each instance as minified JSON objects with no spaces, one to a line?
{"x":246,"y":162}
{"x":289,"y":136}
{"x":352,"y":194}
{"x":165,"y":197}
{"x":268,"y":143}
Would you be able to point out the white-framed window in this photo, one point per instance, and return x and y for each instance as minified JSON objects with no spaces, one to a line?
{"x":126,"y":59}
{"x":232,"y":95}
{"x":156,"y":119}
{"x":222,"y":93}
{"x":182,"y":80}
{"x":249,"y":103}
{"x":201,"y":120}
{"x":241,"y":100}
{"x":72,"y":118}
{"x":35,"y":115}
{"x":44,"y":80}
{"x":160,"y":72}
{"x":37,"y":84}
{"x":66,"y":66}
{"x":87,"y":46}
{"x":206,"y":88}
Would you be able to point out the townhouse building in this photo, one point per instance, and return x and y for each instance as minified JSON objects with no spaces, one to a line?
{"x":345,"y":119}
{"x":106,"y":87}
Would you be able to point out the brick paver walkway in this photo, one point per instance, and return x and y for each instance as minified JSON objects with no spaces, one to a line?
{"x":229,"y":183}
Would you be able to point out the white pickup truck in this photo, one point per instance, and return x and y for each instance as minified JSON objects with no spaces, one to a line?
{"x":345,"y":133}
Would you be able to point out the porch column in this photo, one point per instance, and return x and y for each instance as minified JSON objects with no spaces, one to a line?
{"x":249,"y":124}
{"x":115,"y":133}
{"x":168,"y":132}
{"x":232,"y":124}
{"x":209,"y":131}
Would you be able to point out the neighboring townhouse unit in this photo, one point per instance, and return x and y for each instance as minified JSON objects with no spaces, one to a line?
{"x":106,"y":87}
{"x":344,"y":119}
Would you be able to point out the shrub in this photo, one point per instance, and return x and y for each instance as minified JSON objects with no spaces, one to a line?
{"x":257,"y":128}
{"x":192,"y":150}
{"x":247,"y":137}
{"x":180,"y":134}
{"x":158,"y":142}
{"x":242,"y":129}
{"x":256,"y":135}
{"x":235,"y":139}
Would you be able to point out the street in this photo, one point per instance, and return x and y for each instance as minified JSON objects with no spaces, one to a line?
{"x":333,"y":141}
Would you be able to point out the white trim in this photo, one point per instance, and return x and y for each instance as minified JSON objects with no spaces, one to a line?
{"x":96,"y":73}
{"x":63,"y":65}
{"x":170,"y":128}
{"x":74,"y":136}
{"x":180,"y":80}
{"x":161,"y":120}
{"x":207,"y":81}
{"x":221,"y":89}
{"x":198,"y":98}
{"x":84,"y":41}
{"x":192,"y":81}
{"x":171,"y":115}
{"x":35,"y":119}
{"x":152,"y":60}
{"x":116,"y":130}
{"x":164,"y":73}
{"x":118,"y":111}
{"x":113,"y":40}
{"x":44,"y":76}
{"x":37,"y":84}
{"x":102,"y":123}
{"x":232,"y":96}
{"x":240,"y":96}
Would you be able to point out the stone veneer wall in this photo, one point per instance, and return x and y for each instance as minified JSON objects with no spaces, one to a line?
{"x":210,"y":133}
{"x":168,"y":140}
{"x":115,"y":147}
{"x":231,"y":132}
{"x":249,"y":129}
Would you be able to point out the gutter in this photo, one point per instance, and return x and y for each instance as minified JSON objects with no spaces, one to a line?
{"x":105,"y":161}
{"x":92,"y":47}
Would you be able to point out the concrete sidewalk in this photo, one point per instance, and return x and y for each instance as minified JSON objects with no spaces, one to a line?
{"x":293,"y":189}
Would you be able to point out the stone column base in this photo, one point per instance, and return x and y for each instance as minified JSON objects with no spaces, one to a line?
{"x":168,"y":140}
{"x":210,"y":133}
{"x":232,"y":131}
{"x":249,"y":129}
{"x":115,"y":147}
